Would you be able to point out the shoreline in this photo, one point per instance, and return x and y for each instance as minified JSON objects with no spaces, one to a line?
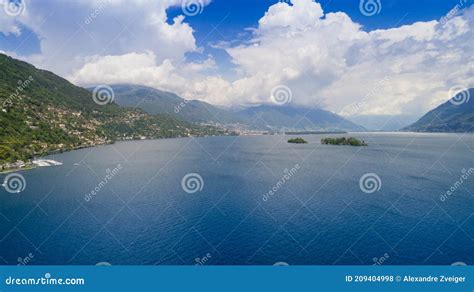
{"x":30,"y":165}
{"x":6,"y":171}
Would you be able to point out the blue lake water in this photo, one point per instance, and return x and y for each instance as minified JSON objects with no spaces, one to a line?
{"x":317,"y":215}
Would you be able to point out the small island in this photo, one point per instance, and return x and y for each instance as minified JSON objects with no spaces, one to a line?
{"x":343,"y":141}
{"x":297,"y":141}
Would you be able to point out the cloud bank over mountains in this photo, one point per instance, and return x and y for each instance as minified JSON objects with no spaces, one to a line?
{"x":326,"y":59}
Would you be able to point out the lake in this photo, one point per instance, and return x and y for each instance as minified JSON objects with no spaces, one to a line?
{"x":250,"y":200}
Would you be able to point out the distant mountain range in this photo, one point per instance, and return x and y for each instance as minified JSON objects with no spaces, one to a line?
{"x":290,"y":118}
{"x":155,"y":101}
{"x":263,"y":117}
{"x":455,"y":115}
{"x":43,"y":113}
{"x":385,"y":123}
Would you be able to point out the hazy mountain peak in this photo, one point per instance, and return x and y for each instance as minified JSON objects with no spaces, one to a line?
{"x":455,"y":115}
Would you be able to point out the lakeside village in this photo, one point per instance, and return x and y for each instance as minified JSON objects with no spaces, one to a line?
{"x":18,"y":165}
{"x":59,"y":118}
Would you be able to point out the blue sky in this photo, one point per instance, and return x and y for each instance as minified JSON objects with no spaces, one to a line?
{"x":403,"y":60}
{"x":227,"y":20}
{"x":245,"y":13}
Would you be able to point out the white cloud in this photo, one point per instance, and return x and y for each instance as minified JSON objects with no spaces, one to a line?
{"x":323,"y":58}
{"x":303,"y":15}
{"x":9,"y":26}
{"x":9,"y":22}
{"x":70,"y":32}
{"x":141,"y":69}
{"x":330,"y":59}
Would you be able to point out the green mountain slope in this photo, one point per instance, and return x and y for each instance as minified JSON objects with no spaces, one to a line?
{"x":261,"y":118}
{"x":455,"y":115}
{"x":42,"y":112}
{"x":155,"y":101}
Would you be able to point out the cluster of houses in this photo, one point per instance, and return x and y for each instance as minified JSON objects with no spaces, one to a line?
{"x":30,"y":164}
{"x":15,"y":165}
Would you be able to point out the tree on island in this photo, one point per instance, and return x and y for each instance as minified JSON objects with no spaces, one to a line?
{"x":297,"y":141}
{"x":343,"y":141}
